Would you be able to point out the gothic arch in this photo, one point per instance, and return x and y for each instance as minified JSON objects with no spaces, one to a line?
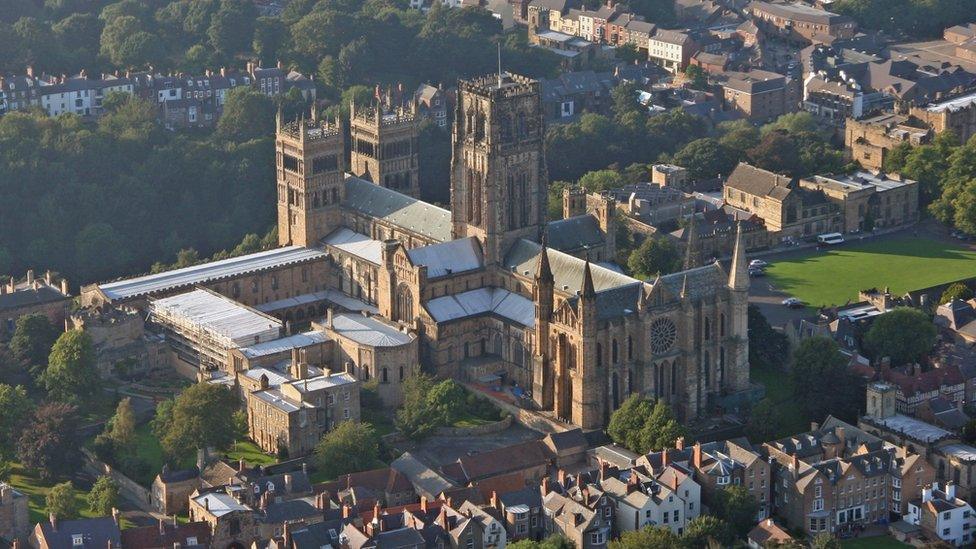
{"x":404,"y":304}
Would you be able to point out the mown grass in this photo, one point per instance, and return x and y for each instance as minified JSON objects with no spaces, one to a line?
{"x":835,"y":276}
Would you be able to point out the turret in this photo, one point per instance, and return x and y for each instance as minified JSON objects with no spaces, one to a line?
{"x":739,"y":270}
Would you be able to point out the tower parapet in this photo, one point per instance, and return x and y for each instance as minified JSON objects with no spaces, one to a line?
{"x":384,"y":146}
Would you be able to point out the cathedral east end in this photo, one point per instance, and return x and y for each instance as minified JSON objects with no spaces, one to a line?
{"x":490,"y":286}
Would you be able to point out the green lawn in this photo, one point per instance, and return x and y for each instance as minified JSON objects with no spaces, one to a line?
{"x":876,"y":542}
{"x":250,"y":453}
{"x":835,"y":276}
{"x":779,"y":389}
{"x":36,"y":490}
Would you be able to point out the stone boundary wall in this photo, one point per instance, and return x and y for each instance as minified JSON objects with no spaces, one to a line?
{"x":128,"y":488}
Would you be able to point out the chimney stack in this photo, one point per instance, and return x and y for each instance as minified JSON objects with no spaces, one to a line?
{"x":423,"y":503}
{"x":679,"y":443}
{"x":664,"y":457}
{"x":30,"y":277}
{"x":346,"y":511}
{"x":545,"y":485}
{"x":162,"y":527}
{"x":54,"y":521}
{"x":116,"y":515}
{"x":494,"y":499}
{"x":696,"y":455}
{"x":64,"y":286}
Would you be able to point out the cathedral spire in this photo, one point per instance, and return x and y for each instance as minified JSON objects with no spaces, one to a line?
{"x":739,"y":270}
{"x":692,"y":251}
{"x":588,"y":289}
{"x":544,"y":272}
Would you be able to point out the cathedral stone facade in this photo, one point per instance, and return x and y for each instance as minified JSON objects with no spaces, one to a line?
{"x":488,"y":291}
{"x":491,"y":288}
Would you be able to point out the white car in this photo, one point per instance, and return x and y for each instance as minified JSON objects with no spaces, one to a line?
{"x":792,"y":302}
{"x":758,"y":263}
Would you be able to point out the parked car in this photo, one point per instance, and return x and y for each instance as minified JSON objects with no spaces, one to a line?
{"x":830,"y":239}
{"x":758,"y":263}
{"x":793,"y":303}
{"x":754,"y":271}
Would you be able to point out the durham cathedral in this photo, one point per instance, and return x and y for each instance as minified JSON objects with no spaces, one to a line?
{"x":490,"y":289}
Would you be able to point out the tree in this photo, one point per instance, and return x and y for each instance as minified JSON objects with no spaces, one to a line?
{"x":824,"y":540}
{"x":248,"y":114}
{"x":705,"y":158}
{"x":232,"y":27}
{"x":765,"y":421}
{"x":60,"y":501}
{"x":71,"y":375}
{"x":737,"y":507}
{"x":17,"y":409}
{"x":628,"y":53}
{"x":648,"y":537}
{"x":642,"y":426}
{"x":32,"y":340}
{"x":738,"y":136}
{"x":103,"y":496}
{"x":697,"y":77}
{"x":412,"y":418}
{"x":704,"y":529}
{"x":903,"y":334}
{"x":821,"y":381}
{"x":958,"y":291}
{"x":969,"y":431}
{"x":654,"y":256}
{"x":349,"y":448}
{"x":768,"y":348}
{"x":202,"y":416}
{"x":269,"y":38}
{"x":777,"y":152}
{"x":600,"y":180}
{"x":121,"y":429}
{"x":50,"y":446}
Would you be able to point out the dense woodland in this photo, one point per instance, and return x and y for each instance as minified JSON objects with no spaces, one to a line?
{"x":121,"y":194}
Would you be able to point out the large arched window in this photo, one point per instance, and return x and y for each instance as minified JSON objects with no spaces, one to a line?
{"x":707,"y":367}
{"x":386,"y":375}
{"x":630,"y":348}
{"x":599,"y":355}
{"x":674,"y":378}
{"x":404,"y":304}
{"x":613,"y":351}
{"x":721,"y":325}
{"x":708,"y":329}
{"x":721,"y":365}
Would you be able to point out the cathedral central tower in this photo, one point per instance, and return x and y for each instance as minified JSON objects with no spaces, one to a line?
{"x":498,"y":169}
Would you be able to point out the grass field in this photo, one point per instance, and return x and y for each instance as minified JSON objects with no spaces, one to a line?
{"x":250,"y":453}
{"x":876,"y":542}
{"x":36,"y":491}
{"x":835,"y":276}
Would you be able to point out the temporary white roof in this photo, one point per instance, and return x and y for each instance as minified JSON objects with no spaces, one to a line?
{"x":220,"y":503}
{"x":220,"y":316}
{"x":284,"y":344}
{"x":483,"y":300}
{"x":198,"y":274}
{"x":369,"y":331}
{"x":355,"y":244}
{"x":446,"y":258}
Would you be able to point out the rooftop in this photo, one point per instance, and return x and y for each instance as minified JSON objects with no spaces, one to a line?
{"x":914,"y":428}
{"x":455,"y":256}
{"x":355,"y":244}
{"x":369,"y":330}
{"x":220,"y":503}
{"x":219,"y":315}
{"x":398,"y":209}
{"x":953,"y":105}
{"x":284,"y":344}
{"x":206,"y":272}
{"x":483,"y":301}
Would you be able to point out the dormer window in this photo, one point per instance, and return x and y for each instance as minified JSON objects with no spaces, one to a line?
{"x":77,"y":540}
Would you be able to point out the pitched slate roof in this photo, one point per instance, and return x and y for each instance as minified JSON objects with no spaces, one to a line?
{"x":30,"y":297}
{"x":498,"y":301}
{"x":96,"y":533}
{"x":574,"y":233}
{"x":759,"y":182}
{"x":523,"y":258}
{"x":397,"y":209}
{"x":503,"y":460}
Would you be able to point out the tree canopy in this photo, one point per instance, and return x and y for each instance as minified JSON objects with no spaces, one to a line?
{"x":51,"y":445}
{"x":737,"y":508}
{"x":349,"y":448}
{"x":642,"y":425}
{"x":822,"y":383}
{"x":201,"y":416}
{"x":903,"y":334}
{"x":71,"y":375}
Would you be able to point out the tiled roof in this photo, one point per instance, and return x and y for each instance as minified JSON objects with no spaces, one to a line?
{"x":574,"y":233}
{"x":454,"y":256}
{"x":757,"y":181}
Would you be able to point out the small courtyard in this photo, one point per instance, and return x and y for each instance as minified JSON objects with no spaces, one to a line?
{"x":834,"y":276}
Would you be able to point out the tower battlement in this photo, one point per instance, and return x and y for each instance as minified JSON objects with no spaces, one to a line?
{"x":383,"y":117}
{"x":313,"y":129}
{"x":500,"y":85}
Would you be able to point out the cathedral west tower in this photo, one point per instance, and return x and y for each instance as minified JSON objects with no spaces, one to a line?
{"x":384,"y":145}
{"x":310,"y":167}
{"x":498,"y":173}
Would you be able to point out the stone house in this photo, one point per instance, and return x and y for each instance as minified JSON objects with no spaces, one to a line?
{"x":759,"y":95}
{"x":641,"y":501}
{"x":32,"y":295}
{"x":579,"y":510}
{"x":69,"y":534}
{"x":14,"y":513}
{"x":801,"y":23}
{"x":171,"y":490}
{"x":231,"y":522}
{"x":870,"y":140}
